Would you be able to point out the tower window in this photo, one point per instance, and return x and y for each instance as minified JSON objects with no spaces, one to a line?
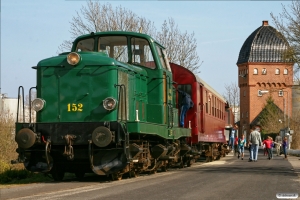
{"x":255,"y":71}
{"x":277,"y":71}
{"x":264,"y":71}
{"x":285,"y":71}
{"x":280,"y":93}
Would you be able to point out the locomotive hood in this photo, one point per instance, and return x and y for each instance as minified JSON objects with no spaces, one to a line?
{"x":86,"y":59}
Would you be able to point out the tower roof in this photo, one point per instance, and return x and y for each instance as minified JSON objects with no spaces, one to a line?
{"x":265,"y":44}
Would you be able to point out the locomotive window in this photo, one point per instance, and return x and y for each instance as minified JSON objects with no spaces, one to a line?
{"x":85,"y":45}
{"x":141,"y":53}
{"x":163,"y":58}
{"x":114,"y":46}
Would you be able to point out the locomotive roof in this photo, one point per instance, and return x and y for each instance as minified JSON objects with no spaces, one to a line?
{"x":125,"y":33}
{"x":265,"y":44}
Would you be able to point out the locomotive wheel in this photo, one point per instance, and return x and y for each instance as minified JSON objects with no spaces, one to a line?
{"x":181,"y":164}
{"x":164,"y":168}
{"x":133,"y":174}
{"x":79,"y":174}
{"x":116,"y":177}
{"x":57,"y":173}
{"x":190,"y":162}
{"x":209,"y":159}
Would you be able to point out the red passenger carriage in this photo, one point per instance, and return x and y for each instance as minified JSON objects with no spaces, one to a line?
{"x":207,"y":117}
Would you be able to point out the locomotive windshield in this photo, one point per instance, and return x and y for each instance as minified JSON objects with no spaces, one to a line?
{"x":141,"y":53}
{"x":85,"y":45}
{"x":114,"y":46}
{"x":117,"y":48}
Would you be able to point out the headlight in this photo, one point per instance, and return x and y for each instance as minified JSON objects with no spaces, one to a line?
{"x":73,"y":58}
{"x":109,"y":103}
{"x":38,"y":104}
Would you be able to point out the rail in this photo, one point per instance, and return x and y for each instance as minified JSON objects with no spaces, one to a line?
{"x":30,"y":103}
{"x":20,"y":88}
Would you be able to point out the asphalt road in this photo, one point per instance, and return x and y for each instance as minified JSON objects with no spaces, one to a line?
{"x":229,"y":178}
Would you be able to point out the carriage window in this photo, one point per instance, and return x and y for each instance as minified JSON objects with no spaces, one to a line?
{"x":114,"y":46}
{"x":85,"y":45}
{"x":141,"y":53}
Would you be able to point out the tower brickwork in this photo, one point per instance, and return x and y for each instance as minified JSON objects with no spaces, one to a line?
{"x":263,"y":72}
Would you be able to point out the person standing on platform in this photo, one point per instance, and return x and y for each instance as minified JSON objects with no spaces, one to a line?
{"x":284,"y":147}
{"x":268,"y":144}
{"x":272,"y":147}
{"x":231,"y":139}
{"x":278,"y":142}
{"x":255,"y":141}
{"x":236,"y":142}
{"x":249,"y":145}
{"x":241,"y":145}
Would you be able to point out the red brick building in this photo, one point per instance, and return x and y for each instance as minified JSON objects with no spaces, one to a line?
{"x":262,"y":72}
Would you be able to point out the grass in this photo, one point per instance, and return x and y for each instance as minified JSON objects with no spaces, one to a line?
{"x":16,"y":176}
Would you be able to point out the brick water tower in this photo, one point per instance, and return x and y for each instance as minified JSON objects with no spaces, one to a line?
{"x":262,"y":71}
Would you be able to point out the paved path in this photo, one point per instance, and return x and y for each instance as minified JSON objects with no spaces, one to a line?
{"x":229,"y":178}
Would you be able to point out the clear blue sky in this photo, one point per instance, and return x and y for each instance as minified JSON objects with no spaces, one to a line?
{"x":32,"y":30}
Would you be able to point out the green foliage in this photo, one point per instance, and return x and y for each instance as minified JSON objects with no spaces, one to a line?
{"x":4,"y":166}
{"x":269,"y":117}
{"x":15,"y":176}
{"x":8,"y":145}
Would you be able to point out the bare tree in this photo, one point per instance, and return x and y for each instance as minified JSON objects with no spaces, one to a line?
{"x":232,"y":96}
{"x":30,"y":115}
{"x":96,"y":17}
{"x":288,"y":25}
{"x":181,"y":47}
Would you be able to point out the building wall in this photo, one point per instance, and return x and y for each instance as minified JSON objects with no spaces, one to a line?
{"x":296,"y":99}
{"x":251,"y":104}
{"x":8,"y":106}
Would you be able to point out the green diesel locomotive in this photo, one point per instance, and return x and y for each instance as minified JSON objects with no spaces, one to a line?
{"x":108,"y":107}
